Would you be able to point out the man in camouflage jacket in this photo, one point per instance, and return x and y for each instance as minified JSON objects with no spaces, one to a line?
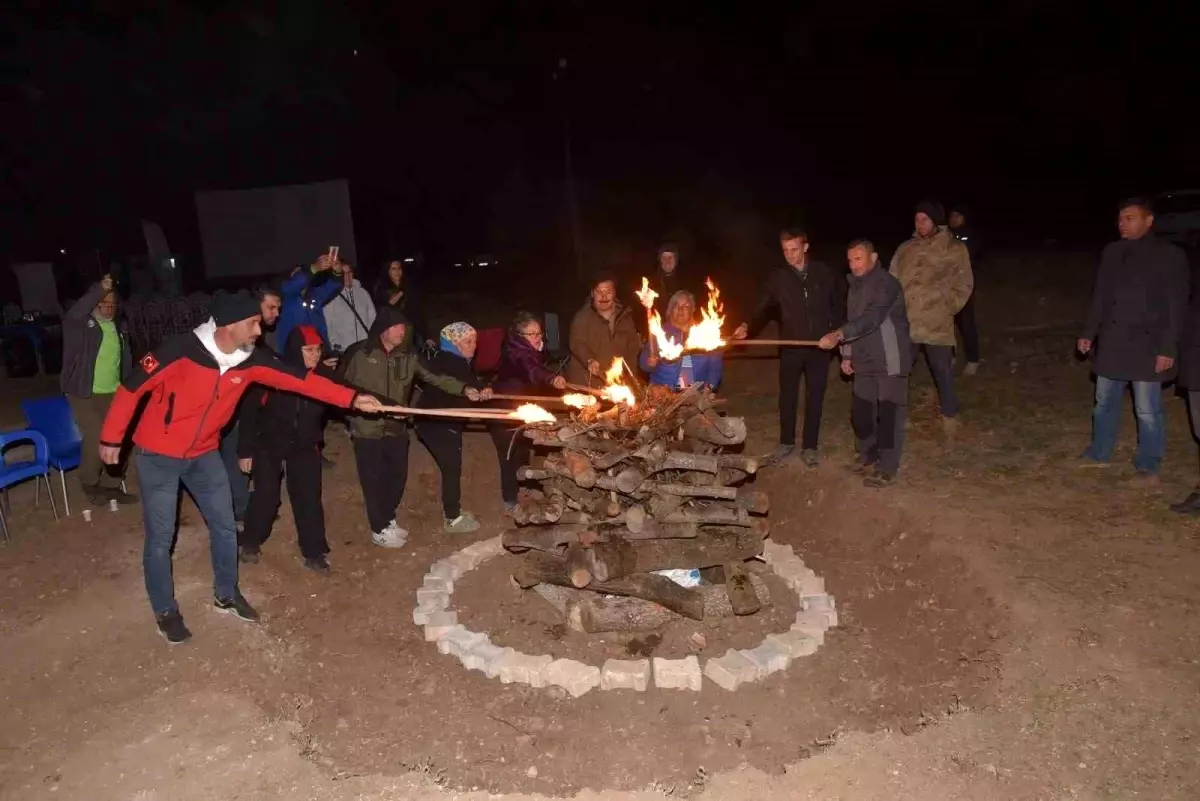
{"x":935,"y":271}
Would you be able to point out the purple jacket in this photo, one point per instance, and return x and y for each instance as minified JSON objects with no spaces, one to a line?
{"x":522,"y":368}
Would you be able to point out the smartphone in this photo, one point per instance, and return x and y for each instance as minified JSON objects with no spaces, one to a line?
{"x":333,"y":252}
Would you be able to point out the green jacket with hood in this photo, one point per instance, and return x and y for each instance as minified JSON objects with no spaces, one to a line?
{"x":388,"y":376}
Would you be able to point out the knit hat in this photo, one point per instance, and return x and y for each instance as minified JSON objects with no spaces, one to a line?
{"x":933,"y":210}
{"x":668,"y":247}
{"x":228,"y":309}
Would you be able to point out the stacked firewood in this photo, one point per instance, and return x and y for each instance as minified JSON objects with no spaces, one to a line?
{"x":636,"y":489}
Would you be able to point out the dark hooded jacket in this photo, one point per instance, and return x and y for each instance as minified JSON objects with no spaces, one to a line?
{"x":408,"y":304}
{"x":282,"y":422}
{"x":389,"y":376}
{"x":523,"y":369}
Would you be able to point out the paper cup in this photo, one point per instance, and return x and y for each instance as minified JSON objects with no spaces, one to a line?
{"x":113,"y":505}
{"x":87,"y":515}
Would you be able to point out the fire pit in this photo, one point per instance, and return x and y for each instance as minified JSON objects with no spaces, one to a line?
{"x":640,"y":519}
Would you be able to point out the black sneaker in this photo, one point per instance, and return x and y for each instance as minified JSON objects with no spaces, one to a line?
{"x":249,"y":554}
{"x":318,"y":564}
{"x":863,"y":468}
{"x":237,"y":606}
{"x":880,"y":480}
{"x":96,"y":496}
{"x":170,"y":625}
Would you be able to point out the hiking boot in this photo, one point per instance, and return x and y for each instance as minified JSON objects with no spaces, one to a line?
{"x":392,"y":536}
{"x":122,"y":497}
{"x":809,"y":457}
{"x":237,"y":606}
{"x":465,"y":523}
{"x":971,"y":369}
{"x":780,"y":453}
{"x":318,"y":564}
{"x":249,"y":554}
{"x":170,"y":625}
{"x":1189,"y":505}
{"x":879,"y":480}
{"x":861,"y":468}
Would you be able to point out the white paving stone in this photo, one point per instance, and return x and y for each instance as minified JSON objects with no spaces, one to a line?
{"x":795,"y":643}
{"x":678,"y":674}
{"x":433,"y":582}
{"x":810,"y":585}
{"x":485,"y":656}
{"x":519,"y":668}
{"x":731,"y":671}
{"x":574,"y":677}
{"x":768,"y":657}
{"x":811,"y":624}
{"x":624,"y":674}
{"x":458,"y":641}
{"x":439,"y":623}
{"x":422,"y":611}
{"x":445,"y":569}
{"x":821,"y":605}
{"x":774,"y":552}
{"x":438,"y":599}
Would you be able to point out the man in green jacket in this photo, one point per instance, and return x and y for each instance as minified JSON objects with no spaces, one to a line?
{"x":385,"y":365}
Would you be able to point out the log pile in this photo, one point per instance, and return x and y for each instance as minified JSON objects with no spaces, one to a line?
{"x":632,"y":490}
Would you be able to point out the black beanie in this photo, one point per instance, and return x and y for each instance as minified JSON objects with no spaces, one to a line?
{"x":230,"y":308}
{"x":933,"y":210}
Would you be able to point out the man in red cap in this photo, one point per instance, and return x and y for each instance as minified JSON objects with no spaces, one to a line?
{"x":193,"y":383}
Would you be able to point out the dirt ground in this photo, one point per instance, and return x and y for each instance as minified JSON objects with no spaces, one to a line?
{"x":1012,"y":627}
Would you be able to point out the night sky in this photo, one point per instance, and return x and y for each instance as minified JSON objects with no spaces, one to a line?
{"x":709,"y":123}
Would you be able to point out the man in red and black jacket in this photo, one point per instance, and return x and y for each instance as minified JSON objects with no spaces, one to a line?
{"x":194,"y":383}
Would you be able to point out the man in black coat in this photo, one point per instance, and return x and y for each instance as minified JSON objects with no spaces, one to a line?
{"x":964,"y":231}
{"x":1189,"y":379}
{"x":1133,"y":330}
{"x":810,"y":302}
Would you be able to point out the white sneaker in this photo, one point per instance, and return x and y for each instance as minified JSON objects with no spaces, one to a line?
{"x":392,"y":536}
{"x":971,"y":369}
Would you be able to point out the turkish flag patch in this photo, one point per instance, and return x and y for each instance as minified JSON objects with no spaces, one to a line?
{"x":149,"y":363}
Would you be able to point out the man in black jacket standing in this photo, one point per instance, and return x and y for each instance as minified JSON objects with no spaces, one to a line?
{"x":1133,"y":328}
{"x":960,"y":226}
{"x":810,"y":302}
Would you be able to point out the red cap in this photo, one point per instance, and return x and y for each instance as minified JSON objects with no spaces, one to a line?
{"x":311,"y":335}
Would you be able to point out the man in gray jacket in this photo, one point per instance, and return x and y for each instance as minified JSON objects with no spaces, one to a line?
{"x":95,"y":359}
{"x":876,"y":350}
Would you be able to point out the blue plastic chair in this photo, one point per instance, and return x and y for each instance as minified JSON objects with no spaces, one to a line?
{"x":52,"y":418}
{"x":16,"y":472}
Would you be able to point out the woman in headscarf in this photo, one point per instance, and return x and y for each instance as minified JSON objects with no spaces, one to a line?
{"x":523,"y":371}
{"x":443,"y":437}
{"x":690,"y":369}
{"x":391,"y":290}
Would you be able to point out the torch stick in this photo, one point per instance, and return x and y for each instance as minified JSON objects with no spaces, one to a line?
{"x":792,"y":343}
{"x":469,"y":414}
{"x":530,"y":398}
{"x":599,"y":393}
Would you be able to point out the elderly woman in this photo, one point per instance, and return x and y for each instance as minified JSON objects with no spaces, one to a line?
{"x":692,"y":368}
{"x":443,"y":437}
{"x":523,"y":371}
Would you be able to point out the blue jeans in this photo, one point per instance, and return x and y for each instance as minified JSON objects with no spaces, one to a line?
{"x":1106,"y":422}
{"x":239,"y":482}
{"x":204,"y":477}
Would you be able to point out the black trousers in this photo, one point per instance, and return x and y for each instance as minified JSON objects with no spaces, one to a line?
{"x":965,"y":320}
{"x":303,"y":470}
{"x":382,"y":473}
{"x":878,"y":409}
{"x":813,"y":365}
{"x":502,"y":435}
{"x":444,"y":441}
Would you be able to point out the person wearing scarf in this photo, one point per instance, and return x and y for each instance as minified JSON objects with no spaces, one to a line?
{"x":443,"y":438}
{"x":279,"y":434}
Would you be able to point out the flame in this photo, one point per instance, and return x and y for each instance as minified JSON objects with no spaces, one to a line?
{"x":532,"y":413}
{"x":578,"y":400}
{"x":667,"y":348}
{"x":646,"y":295}
{"x":706,"y":334}
{"x":616,"y":391}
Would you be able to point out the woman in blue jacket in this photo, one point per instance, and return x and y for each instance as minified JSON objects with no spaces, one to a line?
{"x":305,"y":293}
{"x":691,"y":368}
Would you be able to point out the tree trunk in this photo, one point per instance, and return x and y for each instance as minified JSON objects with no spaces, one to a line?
{"x":538,"y":567}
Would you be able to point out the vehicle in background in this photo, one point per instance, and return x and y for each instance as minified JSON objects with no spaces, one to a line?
{"x":1177,"y":216}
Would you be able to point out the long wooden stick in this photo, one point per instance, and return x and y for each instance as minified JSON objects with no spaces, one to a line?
{"x":469,"y":414}
{"x":794,"y":343}
{"x":530,"y":398}
{"x":599,"y":393}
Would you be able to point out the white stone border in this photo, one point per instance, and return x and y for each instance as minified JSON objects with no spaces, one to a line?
{"x":475,"y":650}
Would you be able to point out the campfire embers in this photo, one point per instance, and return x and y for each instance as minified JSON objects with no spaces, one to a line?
{"x":633,"y":489}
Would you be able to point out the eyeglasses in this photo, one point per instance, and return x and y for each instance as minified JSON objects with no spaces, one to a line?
{"x":533,"y":334}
